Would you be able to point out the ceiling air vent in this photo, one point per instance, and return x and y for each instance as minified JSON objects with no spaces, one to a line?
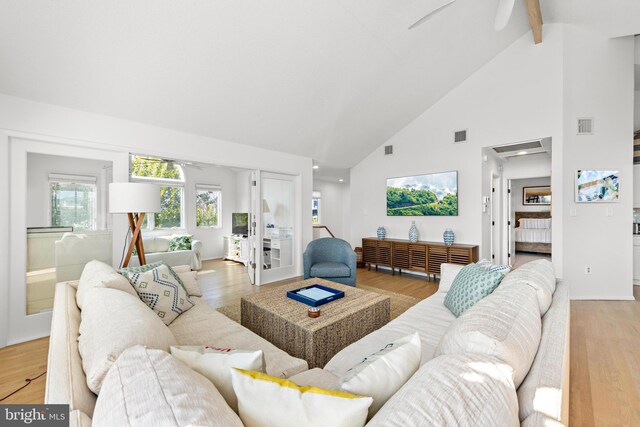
{"x":388,"y":149}
{"x":530,"y":145}
{"x":460,"y":136}
{"x":585,"y":126}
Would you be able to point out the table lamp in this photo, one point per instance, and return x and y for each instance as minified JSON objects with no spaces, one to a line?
{"x":135,"y":199}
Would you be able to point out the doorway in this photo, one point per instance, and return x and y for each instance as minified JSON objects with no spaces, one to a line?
{"x":518,"y":180}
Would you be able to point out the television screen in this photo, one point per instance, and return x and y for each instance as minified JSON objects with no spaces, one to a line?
{"x":434,"y":194}
{"x":240,"y":223}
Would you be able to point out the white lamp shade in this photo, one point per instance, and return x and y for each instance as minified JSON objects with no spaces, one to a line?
{"x":125,"y":197}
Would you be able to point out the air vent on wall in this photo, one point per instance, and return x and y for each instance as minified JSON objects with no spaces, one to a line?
{"x":388,"y":149}
{"x":585,"y":126}
{"x":460,"y":136}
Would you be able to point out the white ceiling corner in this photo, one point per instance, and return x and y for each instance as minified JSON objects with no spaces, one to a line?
{"x":332,"y":80}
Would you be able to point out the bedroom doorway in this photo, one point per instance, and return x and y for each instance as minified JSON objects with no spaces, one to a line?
{"x":517,"y":201}
{"x":531,"y":213}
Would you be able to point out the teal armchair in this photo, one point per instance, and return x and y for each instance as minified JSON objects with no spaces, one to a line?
{"x":332,"y":259}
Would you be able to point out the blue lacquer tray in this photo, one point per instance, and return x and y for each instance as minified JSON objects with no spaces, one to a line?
{"x":335,"y":294}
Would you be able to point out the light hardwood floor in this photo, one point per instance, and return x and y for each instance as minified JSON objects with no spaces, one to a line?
{"x":605,"y":346}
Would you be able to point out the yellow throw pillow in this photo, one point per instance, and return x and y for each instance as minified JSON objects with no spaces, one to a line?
{"x":266,"y":401}
{"x":381,"y":374}
{"x":215,"y":364}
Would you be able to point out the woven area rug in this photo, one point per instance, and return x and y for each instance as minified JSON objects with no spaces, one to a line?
{"x":399,"y":304}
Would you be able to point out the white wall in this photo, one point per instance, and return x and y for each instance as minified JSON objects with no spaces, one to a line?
{"x":515,"y":97}
{"x":39,"y":166}
{"x":527,"y":92}
{"x":598,"y":83}
{"x":334,"y":207}
{"x":517,"y":186}
{"x":636,"y":110}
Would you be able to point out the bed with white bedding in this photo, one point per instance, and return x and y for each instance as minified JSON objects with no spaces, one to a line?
{"x":533,"y":232}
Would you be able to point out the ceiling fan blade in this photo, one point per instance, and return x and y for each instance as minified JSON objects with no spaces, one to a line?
{"x":505,"y":7}
{"x":428,"y":15}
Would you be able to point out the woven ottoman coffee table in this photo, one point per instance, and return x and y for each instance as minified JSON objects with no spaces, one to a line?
{"x":285,"y":323}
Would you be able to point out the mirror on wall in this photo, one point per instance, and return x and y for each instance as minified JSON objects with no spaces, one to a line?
{"x":67,"y":222}
{"x":278,"y":217}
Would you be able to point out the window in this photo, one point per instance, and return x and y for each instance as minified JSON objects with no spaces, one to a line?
{"x":170,"y":178}
{"x":208,"y":206}
{"x":315,"y":208}
{"x":73,"y":201}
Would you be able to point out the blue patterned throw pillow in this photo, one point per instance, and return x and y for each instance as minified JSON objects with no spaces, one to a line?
{"x":472,"y":283}
{"x":488,"y":265}
{"x":160,"y":288}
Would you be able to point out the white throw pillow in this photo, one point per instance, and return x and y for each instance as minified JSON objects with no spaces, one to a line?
{"x":189,"y":279}
{"x":505,"y":325}
{"x":266,"y":401}
{"x":454,"y":390}
{"x":448,"y":272}
{"x":381,"y":374}
{"x":150,"y":388}
{"x":216,"y":363}
{"x":111,"y":322}
{"x":161,"y":289}
{"x":97,"y":274}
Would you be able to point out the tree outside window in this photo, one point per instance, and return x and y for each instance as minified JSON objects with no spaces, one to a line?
{"x":168,"y":175}
{"x":73,"y":204}
{"x":208,"y":206}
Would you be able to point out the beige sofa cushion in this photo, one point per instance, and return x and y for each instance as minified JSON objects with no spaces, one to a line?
{"x":454,"y":390}
{"x":542,"y":389}
{"x":430,"y":318}
{"x":113,"y":321}
{"x":97,"y":274}
{"x":203,"y":325}
{"x":189,"y":279}
{"x":149,"y":387}
{"x":448,"y":272}
{"x":316,"y":377}
{"x":540,"y":275}
{"x":504,"y":324}
{"x":79,"y":419}
{"x":66,"y":382}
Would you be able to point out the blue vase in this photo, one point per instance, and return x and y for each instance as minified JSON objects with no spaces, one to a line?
{"x":413,"y":232}
{"x":448,"y":236}
{"x":382,"y":233}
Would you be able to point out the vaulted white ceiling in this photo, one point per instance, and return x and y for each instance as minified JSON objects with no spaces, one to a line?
{"x":329,"y":79}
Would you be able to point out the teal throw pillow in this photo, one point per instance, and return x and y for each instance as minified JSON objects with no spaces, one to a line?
{"x":180,"y":243}
{"x":488,"y":265}
{"x":472,"y":283}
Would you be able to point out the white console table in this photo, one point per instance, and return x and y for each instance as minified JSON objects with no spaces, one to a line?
{"x":277,"y":252}
{"x":236,"y":248}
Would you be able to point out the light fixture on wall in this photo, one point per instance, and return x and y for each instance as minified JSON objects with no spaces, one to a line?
{"x":316,"y":167}
{"x":341,"y":180}
{"x":265,"y":206}
{"x":135,"y":199}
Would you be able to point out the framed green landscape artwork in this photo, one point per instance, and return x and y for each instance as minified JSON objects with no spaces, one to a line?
{"x":434,"y":194}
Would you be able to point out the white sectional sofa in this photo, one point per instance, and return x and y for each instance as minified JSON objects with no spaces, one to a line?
{"x":523,"y":325}
{"x":156,"y":248}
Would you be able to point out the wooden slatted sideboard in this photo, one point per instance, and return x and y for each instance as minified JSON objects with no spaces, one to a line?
{"x":420,"y":256}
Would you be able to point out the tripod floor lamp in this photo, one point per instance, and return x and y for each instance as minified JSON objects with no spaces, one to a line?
{"x":135,"y":199}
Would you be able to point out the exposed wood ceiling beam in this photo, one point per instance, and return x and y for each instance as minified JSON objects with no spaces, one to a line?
{"x":535,"y":19}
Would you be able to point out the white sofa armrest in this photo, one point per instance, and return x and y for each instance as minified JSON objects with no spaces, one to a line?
{"x":448,"y":272}
{"x":196,"y":246}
